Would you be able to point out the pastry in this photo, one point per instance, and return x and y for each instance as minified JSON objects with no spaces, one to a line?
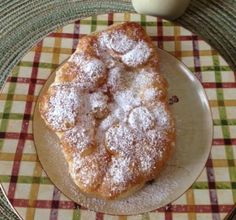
{"x":108,"y":106}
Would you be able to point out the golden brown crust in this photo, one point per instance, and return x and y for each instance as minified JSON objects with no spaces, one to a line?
{"x":108,"y":106}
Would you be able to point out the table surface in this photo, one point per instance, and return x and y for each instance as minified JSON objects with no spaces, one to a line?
{"x":212,"y":196}
{"x":23,"y":23}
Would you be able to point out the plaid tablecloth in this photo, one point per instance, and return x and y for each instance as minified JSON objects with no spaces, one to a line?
{"x":28,"y":188}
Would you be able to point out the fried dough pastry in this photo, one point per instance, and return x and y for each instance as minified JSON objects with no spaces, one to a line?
{"x":108,"y":106}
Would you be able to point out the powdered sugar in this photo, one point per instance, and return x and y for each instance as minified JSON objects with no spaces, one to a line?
{"x":108,"y":122}
{"x":144,"y":78}
{"x":98,"y":104}
{"x":150,"y":94}
{"x":93,"y":68}
{"x":121,"y":170}
{"x":138,"y":55}
{"x":88,"y":171}
{"x":153,"y":151}
{"x":108,"y":60}
{"x":117,"y":41}
{"x":156,"y":137}
{"x":82,"y":135}
{"x":127,"y":99}
{"x":162,"y":116}
{"x":146,"y":161}
{"x":119,"y":139}
{"x":77,"y":58}
{"x":62,"y":107}
{"x":114,"y":78}
{"x":98,"y":100}
{"x":116,"y":115}
{"x":101,"y":51}
{"x":141,"y":118}
{"x":90,"y":69}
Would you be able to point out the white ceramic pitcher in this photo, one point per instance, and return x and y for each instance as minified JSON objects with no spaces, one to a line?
{"x":169,"y":9}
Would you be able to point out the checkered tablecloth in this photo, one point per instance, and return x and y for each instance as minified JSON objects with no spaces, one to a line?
{"x":28,"y":188}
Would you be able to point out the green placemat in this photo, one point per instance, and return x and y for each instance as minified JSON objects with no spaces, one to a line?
{"x":5,"y":209}
{"x":25,"y":22}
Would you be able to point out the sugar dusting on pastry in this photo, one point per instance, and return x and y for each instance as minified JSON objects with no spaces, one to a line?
{"x":90,"y":70}
{"x":141,"y":118}
{"x":117,"y":41}
{"x":81,"y":136}
{"x":138,"y":55}
{"x":127,"y":99}
{"x":120,"y":139}
{"x":117,"y":128}
{"x":62,"y":107}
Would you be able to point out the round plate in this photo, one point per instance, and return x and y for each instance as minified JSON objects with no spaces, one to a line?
{"x":194,"y":137}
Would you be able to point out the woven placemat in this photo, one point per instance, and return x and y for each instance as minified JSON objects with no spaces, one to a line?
{"x":23,"y":23}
